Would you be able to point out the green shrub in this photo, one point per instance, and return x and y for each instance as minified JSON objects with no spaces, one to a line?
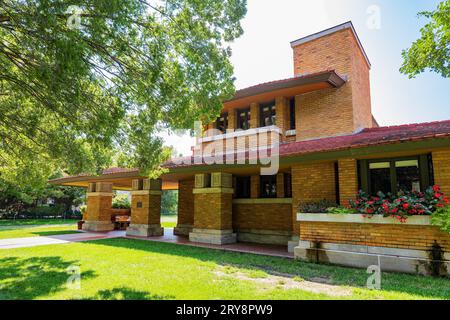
{"x":341,"y":210}
{"x":316,"y":207}
{"x":441,"y":218}
{"x":121,"y":201}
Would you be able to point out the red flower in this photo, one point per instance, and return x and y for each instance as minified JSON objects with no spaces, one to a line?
{"x":405,"y":206}
{"x":437,"y":195}
{"x":436,"y":188}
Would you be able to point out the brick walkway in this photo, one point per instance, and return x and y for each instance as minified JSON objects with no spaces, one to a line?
{"x":267,"y":250}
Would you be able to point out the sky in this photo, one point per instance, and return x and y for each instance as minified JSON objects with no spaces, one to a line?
{"x":385,"y":28}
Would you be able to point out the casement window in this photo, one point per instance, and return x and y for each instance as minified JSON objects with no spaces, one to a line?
{"x":292,"y":114}
{"x":242,"y":187}
{"x":267,"y":114}
{"x":222,"y":123}
{"x":243,"y":119}
{"x":268,"y":186}
{"x":396,"y":174}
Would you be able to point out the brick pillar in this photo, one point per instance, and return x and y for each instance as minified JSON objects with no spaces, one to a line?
{"x":441,"y":168}
{"x":213,"y":205}
{"x":99,"y":207}
{"x":185,"y":221}
{"x":254,"y":115}
{"x":146,"y":209}
{"x":348,"y":180}
{"x":254,"y":187}
{"x":280,"y":185}
{"x":282,"y":110}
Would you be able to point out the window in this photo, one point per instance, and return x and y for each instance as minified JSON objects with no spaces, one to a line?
{"x":243,"y":119}
{"x":292,"y":114}
{"x":268,"y":185}
{"x":394,"y":175}
{"x":222,"y":123}
{"x":242,"y":187}
{"x":268,"y":114}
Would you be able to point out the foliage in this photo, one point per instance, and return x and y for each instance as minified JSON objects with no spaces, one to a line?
{"x":169,"y":202}
{"x":401,"y":206}
{"x":316,"y":207}
{"x":341,"y":210}
{"x":79,"y":97}
{"x":432,"y":50}
{"x":441,"y":218}
{"x":121,"y":201}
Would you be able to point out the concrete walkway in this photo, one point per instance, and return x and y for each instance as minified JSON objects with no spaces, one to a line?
{"x":169,"y":237}
{"x":57,"y":239}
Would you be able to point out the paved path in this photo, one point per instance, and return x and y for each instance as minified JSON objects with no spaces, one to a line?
{"x":57,"y":239}
{"x":169,"y":237}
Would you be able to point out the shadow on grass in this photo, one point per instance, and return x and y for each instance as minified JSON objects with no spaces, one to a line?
{"x":31,"y":278}
{"x":124,"y":293}
{"x":426,"y":287}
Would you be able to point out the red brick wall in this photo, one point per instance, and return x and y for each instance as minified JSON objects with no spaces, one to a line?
{"x":262,"y":217}
{"x":377,"y":235}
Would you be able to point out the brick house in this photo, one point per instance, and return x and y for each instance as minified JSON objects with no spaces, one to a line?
{"x":320,"y":127}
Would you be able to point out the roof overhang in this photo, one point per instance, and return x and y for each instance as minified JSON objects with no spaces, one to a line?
{"x":120,"y":181}
{"x":286,"y":88}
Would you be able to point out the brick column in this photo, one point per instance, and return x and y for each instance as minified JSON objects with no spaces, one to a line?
{"x":99,"y":206}
{"x":254,"y":187}
{"x":185,"y":221}
{"x":254,"y":115}
{"x":441,"y":168}
{"x":146,"y":209}
{"x":348,"y":180}
{"x":213,"y":205}
{"x":282,"y":120}
{"x":280,"y":185}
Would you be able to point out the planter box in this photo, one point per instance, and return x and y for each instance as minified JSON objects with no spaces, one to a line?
{"x":358,"y":218}
{"x":357,"y":241}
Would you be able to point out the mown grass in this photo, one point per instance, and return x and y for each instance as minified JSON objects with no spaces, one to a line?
{"x":136,"y":269}
{"x":35,"y":231}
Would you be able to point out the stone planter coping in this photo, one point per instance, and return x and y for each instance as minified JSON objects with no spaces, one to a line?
{"x":358,"y":218}
{"x":263,"y":201}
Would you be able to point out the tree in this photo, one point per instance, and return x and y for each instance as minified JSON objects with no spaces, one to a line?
{"x":73,"y":95}
{"x":169,"y":202}
{"x":432,"y":50}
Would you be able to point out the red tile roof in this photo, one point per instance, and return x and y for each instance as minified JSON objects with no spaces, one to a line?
{"x":365,"y":138}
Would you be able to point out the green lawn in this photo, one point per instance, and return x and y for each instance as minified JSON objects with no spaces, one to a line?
{"x":35,"y":222}
{"x":169,"y":221}
{"x":35,"y":231}
{"x":137,"y":269}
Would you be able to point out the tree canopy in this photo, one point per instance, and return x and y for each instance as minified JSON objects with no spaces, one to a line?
{"x":75,"y":96}
{"x":432,"y":50}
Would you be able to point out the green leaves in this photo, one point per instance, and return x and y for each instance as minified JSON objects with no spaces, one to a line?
{"x":432,"y":50}
{"x":72,"y":98}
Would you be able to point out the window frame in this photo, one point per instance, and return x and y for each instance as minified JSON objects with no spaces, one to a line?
{"x":273,"y":113}
{"x":238,"y":118}
{"x":424,"y":172}
{"x":262,"y":194}
{"x":292,"y":125}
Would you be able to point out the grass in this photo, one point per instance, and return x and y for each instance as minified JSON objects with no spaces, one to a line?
{"x":35,"y":231}
{"x":34,"y":222}
{"x":137,"y":269}
{"x":169,"y":221}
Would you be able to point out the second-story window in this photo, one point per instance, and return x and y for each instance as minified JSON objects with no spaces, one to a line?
{"x":268,"y":114}
{"x":222,"y":123}
{"x":292,"y":114}
{"x":243,"y":119}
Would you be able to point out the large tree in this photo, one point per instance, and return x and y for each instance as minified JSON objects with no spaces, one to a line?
{"x":432,"y":50}
{"x":75,"y":95}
